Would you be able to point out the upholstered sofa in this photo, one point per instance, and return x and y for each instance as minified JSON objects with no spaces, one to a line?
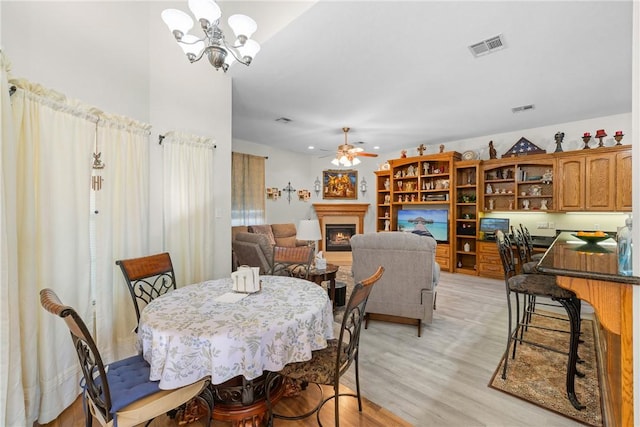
{"x":267,"y":245}
{"x":406,"y":292}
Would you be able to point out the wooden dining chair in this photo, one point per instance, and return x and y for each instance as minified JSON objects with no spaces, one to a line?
{"x":147,"y":278}
{"x":327,"y":365}
{"x":121,"y":394}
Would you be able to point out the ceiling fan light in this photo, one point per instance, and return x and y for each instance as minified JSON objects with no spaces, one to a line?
{"x":206,"y":10}
{"x":242,"y":25}
{"x":355,"y":161}
{"x":177,"y":20}
{"x":335,"y":162}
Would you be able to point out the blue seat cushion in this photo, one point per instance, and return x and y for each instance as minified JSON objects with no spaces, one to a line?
{"x":129,"y":381}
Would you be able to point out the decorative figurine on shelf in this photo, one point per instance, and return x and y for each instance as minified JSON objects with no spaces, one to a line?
{"x":493,"y":154}
{"x":547,"y":177}
{"x":403,"y":154}
{"x":399,"y":185}
{"x":387,"y":199}
{"x":411,"y":171}
{"x":559,"y":136}
{"x":421,"y":149}
{"x":386,"y":213}
{"x":535,"y":190}
{"x":525,"y":205}
{"x":424,"y":197}
{"x":511,"y":204}
{"x":543,"y":204}
{"x":387,"y":225}
{"x":413,"y":197}
{"x":600,"y":133}
{"x":442,"y":148}
{"x":387,"y":183}
{"x":618,"y":137}
{"x":489,"y":189}
{"x":425,"y":168}
{"x":586,"y":138}
{"x":491,"y":204}
{"x":400,"y":199}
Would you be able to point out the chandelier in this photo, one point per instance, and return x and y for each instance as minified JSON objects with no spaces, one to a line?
{"x":345,"y":159}
{"x":213,"y":44}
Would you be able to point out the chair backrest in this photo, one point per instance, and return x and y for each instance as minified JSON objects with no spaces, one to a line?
{"x":506,"y":254}
{"x":95,"y":377}
{"x":147,"y":278}
{"x":521,"y":246}
{"x":349,"y":339}
{"x":292,"y":261}
{"x":527,"y":240}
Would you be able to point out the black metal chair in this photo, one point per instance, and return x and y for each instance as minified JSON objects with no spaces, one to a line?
{"x":326,"y":366}
{"x":121,"y":393}
{"x":538,"y":285}
{"x":147,"y":278}
{"x":529,"y":245}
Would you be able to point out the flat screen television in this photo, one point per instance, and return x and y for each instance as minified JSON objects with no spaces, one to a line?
{"x":489,"y":226}
{"x":436,"y":221}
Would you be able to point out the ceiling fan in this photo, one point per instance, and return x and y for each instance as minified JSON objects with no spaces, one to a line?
{"x":347,"y":154}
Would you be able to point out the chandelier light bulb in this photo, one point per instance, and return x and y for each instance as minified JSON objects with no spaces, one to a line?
{"x":206,"y":10}
{"x":177,"y":21}
{"x":335,"y":162}
{"x":355,"y":161}
{"x":242,"y":26}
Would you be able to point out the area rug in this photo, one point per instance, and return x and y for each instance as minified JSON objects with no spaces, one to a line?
{"x":539,"y":376}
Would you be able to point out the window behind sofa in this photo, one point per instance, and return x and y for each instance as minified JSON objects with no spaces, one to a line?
{"x":247,"y":189}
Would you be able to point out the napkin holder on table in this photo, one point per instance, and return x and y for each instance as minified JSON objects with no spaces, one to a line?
{"x":246,"y":279}
{"x":321,"y":263}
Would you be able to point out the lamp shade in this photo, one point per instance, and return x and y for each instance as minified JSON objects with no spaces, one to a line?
{"x":242,"y":25}
{"x":309,"y":230}
{"x":250,"y":49}
{"x":205,"y":9}
{"x":177,"y":20}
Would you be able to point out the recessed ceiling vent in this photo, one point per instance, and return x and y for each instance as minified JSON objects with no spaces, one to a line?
{"x":284,"y":120}
{"x":487,"y":46}
{"x":523,"y":108}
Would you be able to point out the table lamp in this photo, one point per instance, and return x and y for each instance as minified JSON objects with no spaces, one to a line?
{"x":309,"y":230}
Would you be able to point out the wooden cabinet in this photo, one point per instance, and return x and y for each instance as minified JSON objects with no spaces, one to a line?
{"x":465,"y":216}
{"x":624,"y":184}
{"x":420,"y":183}
{"x":489,"y":263}
{"x":595,"y":180}
{"x":383,"y":200}
{"x":518,"y":184}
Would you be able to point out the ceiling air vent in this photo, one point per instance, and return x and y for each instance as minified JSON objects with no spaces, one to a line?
{"x":487,"y":46}
{"x":284,"y":120}
{"x":523,"y":108}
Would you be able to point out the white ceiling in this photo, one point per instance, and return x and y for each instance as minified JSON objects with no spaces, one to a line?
{"x":401,"y":73}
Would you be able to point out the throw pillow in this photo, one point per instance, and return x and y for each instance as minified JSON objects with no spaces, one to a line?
{"x":263,"y":229}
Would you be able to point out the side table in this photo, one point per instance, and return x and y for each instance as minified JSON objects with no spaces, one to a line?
{"x":324,"y":275}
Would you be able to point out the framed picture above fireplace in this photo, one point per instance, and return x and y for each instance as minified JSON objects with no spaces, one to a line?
{"x":340,"y":184}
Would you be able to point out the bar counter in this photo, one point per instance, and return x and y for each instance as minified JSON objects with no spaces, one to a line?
{"x":591,"y":271}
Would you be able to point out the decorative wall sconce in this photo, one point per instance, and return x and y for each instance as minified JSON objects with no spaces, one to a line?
{"x":317,"y":186}
{"x":363,"y":186}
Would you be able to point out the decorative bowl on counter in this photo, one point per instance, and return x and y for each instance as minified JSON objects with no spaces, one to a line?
{"x":592,"y":238}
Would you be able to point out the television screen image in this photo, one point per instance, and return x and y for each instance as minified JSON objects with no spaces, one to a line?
{"x":489,"y":226}
{"x":436,"y":221}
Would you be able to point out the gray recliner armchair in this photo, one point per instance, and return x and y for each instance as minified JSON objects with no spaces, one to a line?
{"x":407,"y":291}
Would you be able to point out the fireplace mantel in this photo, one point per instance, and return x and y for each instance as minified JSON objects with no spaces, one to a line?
{"x":324,"y":210}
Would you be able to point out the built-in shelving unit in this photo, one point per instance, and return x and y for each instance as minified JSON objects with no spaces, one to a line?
{"x":466,"y":216}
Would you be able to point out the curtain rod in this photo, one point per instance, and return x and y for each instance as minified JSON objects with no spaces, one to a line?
{"x":161,"y":138}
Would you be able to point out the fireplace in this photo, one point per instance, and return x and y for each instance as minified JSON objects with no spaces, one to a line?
{"x":338,"y":237}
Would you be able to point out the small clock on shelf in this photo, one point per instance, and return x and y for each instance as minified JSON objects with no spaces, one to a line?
{"x":469,"y":155}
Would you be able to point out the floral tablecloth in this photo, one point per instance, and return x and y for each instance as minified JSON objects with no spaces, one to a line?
{"x":186,"y":335}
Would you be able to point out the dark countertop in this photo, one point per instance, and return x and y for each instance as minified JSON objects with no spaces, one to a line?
{"x":569,"y":256}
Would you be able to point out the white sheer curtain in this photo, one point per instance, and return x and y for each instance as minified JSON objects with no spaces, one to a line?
{"x":51,"y":174}
{"x":121,"y":218}
{"x":188,"y":205}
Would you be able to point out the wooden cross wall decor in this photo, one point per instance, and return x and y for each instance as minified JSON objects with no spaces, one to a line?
{"x":289,"y":189}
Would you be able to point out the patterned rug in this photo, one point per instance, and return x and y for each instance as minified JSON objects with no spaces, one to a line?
{"x":538,"y":375}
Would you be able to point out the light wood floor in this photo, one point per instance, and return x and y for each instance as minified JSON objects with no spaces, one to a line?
{"x":439,"y":379}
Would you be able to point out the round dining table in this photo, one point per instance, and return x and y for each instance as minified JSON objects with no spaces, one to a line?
{"x":207,"y":330}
